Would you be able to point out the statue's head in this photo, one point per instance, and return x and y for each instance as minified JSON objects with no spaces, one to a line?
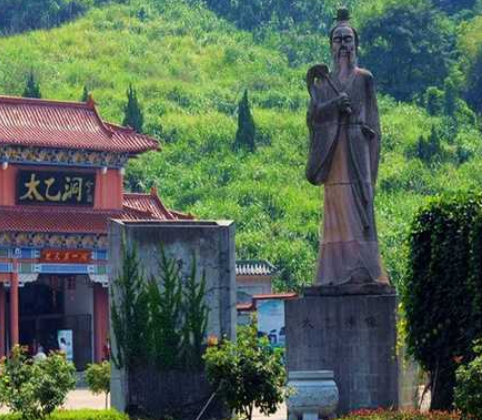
{"x":344,"y":38}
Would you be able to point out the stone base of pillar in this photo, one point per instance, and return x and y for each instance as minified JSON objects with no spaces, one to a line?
{"x":355,"y":336}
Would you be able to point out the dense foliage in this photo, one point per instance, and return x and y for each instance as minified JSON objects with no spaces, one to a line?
{"x":247,"y":373}
{"x":442,"y":295}
{"x":160,"y":322}
{"x":20,"y":16}
{"x":34,"y":389}
{"x":409,"y":46}
{"x":468,"y":390}
{"x":191,"y":67}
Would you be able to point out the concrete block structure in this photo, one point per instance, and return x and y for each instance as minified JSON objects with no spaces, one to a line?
{"x":355,"y":336}
{"x":212,"y":244}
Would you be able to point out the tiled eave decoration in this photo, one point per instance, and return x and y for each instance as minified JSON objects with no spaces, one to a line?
{"x":63,"y":157}
{"x":54,"y":240}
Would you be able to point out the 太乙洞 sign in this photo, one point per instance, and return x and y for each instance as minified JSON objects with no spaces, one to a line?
{"x":48,"y":187}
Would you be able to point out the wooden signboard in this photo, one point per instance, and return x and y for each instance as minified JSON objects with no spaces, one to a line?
{"x":62,"y":256}
{"x":61,"y":188}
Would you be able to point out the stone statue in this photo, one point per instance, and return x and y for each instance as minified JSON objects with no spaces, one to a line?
{"x":344,"y":155}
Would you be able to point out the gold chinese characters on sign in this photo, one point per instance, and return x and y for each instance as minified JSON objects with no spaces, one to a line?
{"x":66,"y":256}
{"x":47,"y":187}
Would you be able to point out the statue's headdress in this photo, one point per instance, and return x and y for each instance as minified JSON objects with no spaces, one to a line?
{"x":343,"y":19}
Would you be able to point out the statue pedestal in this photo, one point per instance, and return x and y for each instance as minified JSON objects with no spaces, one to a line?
{"x":352,"y":331}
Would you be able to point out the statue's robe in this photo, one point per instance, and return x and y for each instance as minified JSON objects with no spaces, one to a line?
{"x":344,"y":156}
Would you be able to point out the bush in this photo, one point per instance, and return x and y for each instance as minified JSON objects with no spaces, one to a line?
{"x":35,"y":389}
{"x":442,"y":293}
{"x":160,"y":322}
{"x":98,"y":379}
{"x":247,"y":373}
{"x":468,"y":389}
{"x":85,"y":414}
{"x":400,"y":415}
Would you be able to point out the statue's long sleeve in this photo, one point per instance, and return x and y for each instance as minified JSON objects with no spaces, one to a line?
{"x":373,"y":121}
{"x":322,"y":122}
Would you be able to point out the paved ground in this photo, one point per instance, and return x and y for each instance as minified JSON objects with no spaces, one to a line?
{"x":82,"y":398}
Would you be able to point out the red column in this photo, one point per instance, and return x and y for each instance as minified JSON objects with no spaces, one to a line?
{"x":2,"y":321}
{"x":13,"y":309}
{"x":101,"y":320}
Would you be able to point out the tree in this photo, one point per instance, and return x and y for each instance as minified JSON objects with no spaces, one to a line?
{"x":35,"y":389}
{"x":429,"y":149}
{"x":247,"y":373}
{"x":474,"y":84}
{"x":97,"y":376}
{"x":165,"y":309}
{"x":451,"y":6}
{"x":129,"y":313}
{"x":409,"y":46}
{"x":245,"y":135}
{"x":32,"y":87}
{"x":132,"y":111}
{"x":20,"y":16}
{"x":85,"y":94}
{"x":442,"y":292}
{"x":196,"y":313}
{"x":434,"y":100}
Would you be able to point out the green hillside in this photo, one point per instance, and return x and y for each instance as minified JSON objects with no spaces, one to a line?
{"x":190,"y":68}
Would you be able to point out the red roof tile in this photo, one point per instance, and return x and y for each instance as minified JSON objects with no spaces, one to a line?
{"x":275,"y":296}
{"x":82,"y":220}
{"x":149,"y":206}
{"x":69,"y":125}
{"x":245,"y":307}
{"x":53,"y":220}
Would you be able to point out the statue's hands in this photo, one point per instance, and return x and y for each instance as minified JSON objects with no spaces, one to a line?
{"x":344,"y":103}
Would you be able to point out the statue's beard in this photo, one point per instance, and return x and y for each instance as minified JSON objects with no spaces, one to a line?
{"x":344,"y":60}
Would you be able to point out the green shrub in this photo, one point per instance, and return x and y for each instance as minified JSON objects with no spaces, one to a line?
{"x":35,"y":389}
{"x":401,"y":415}
{"x":84,"y":414}
{"x":468,"y":389}
{"x":98,"y":379}
{"x":442,"y":293}
{"x":247,"y":373}
{"x":162,"y":321}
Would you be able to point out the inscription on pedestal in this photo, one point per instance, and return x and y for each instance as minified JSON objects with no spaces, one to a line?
{"x":355,"y":336}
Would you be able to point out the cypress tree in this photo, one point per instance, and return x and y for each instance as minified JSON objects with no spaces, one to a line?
{"x":245,"y":135}
{"x":32,"y":88}
{"x":132,"y":111}
{"x":85,"y":94}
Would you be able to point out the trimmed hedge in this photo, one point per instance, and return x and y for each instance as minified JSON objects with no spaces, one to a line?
{"x":442,"y":292}
{"x":85,"y":414}
{"x":401,"y":415}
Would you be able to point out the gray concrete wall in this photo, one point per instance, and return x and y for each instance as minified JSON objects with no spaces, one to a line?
{"x":355,"y":336}
{"x":213,"y":245}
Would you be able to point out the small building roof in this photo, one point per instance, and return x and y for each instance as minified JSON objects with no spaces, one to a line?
{"x":67,"y":125}
{"x":39,"y":219}
{"x":255,"y":268}
{"x":149,"y":206}
{"x":252,"y":306}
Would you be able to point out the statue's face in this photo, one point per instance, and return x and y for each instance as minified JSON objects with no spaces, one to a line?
{"x":343,"y":44}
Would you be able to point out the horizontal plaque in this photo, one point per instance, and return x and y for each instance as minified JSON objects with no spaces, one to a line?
{"x":62,"y":256}
{"x":49,"y":187}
